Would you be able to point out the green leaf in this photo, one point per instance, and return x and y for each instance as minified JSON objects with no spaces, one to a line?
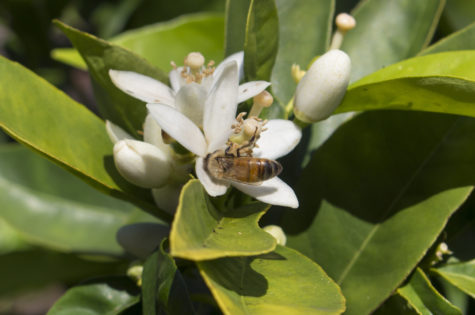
{"x":51,"y":207}
{"x":10,"y":239}
{"x":163,"y":286}
{"x":304,"y":32}
{"x":110,"y":296}
{"x":281,"y":282}
{"x":261,"y":42}
{"x":389,"y":31}
{"x":163,"y":42}
{"x":424,"y":298}
{"x":33,"y":269}
{"x":201,"y":231}
{"x":461,"y":40}
{"x":443,"y":82}
{"x":40,"y":116}
{"x":459,"y":13}
{"x":461,"y":275}
{"x":101,"y":56}
{"x":236,"y":17}
{"x":361,"y":212}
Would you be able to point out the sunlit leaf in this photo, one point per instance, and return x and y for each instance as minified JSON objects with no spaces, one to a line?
{"x":281,"y":282}
{"x":201,"y":231}
{"x":236,"y":17}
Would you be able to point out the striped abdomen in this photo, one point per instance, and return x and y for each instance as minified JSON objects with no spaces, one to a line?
{"x":248,"y":170}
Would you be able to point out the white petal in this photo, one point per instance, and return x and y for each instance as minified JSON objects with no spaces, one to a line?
{"x":212,"y":186}
{"x":220,"y":108}
{"x":141,"y":163}
{"x":176,"y":81}
{"x":116,"y":133}
{"x":273,"y":191}
{"x":251,"y":89}
{"x":190,"y":100}
{"x":280,"y":138}
{"x":142,"y":87}
{"x":238,"y":57}
{"x":277,"y":232}
{"x":152,"y":133}
{"x":179,"y":127}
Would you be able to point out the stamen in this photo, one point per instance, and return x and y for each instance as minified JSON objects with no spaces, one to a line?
{"x":261,"y":100}
{"x":297,"y":73}
{"x":344,"y":22}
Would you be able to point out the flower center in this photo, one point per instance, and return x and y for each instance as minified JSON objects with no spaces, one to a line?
{"x":194,"y":69}
{"x":246,"y":133}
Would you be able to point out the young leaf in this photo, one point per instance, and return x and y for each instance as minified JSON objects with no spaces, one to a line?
{"x":304,"y":32}
{"x":40,"y":116}
{"x":201,"y":231}
{"x":361,"y":212}
{"x":424,"y":298}
{"x":261,"y":42}
{"x":101,"y":56}
{"x":236,"y":16}
{"x":443,"y":82}
{"x":163,"y":287}
{"x":281,"y":282}
{"x":461,"y":40}
{"x":389,"y":31}
{"x":107,"y":296}
{"x":461,"y":275}
{"x":67,"y":215}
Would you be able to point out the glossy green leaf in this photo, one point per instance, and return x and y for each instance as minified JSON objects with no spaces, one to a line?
{"x":51,"y":207}
{"x":163,"y":287}
{"x":389,"y":31}
{"x":461,"y":40}
{"x":46,"y":120}
{"x":236,"y":17}
{"x":101,"y":56}
{"x":261,"y":40}
{"x":281,"y":282}
{"x":361,"y":212}
{"x":424,"y":298}
{"x":304,"y":32}
{"x":163,"y":42}
{"x":461,"y":275}
{"x":201,"y":231}
{"x":443,"y":82}
{"x":33,"y":269}
{"x":109,"y":296}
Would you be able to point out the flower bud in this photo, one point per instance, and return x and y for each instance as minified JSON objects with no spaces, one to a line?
{"x":141,"y":163}
{"x":322,"y":88}
{"x":277,"y":233}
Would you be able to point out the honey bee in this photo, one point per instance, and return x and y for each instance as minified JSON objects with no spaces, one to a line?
{"x":243,"y":169}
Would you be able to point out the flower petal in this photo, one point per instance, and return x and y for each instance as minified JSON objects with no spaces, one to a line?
{"x":273,"y":191}
{"x":220,"y":107}
{"x":176,"y":81}
{"x":179,"y":127}
{"x":152,"y":133}
{"x":251,"y":89}
{"x":212,"y":186}
{"x":142,"y":87}
{"x":116,"y":133}
{"x":279,"y":139}
{"x":190,"y":100}
{"x":238,"y":57}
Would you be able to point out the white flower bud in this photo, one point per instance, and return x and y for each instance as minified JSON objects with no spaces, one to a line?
{"x":277,"y":233}
{"x":141,"y":163}
{"x":322,"y":88}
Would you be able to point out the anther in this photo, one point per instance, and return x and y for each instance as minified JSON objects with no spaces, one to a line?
{"x":297,"y":73}
{"x":344,"y":22}
{"x":261,"y":100}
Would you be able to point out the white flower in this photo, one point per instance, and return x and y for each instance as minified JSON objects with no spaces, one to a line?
{"x":190,"y":85}
{"x":277,"y":232}
{"x":149,"y":163}
{"x":322,"y":88}
{"x":220,"y":108}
